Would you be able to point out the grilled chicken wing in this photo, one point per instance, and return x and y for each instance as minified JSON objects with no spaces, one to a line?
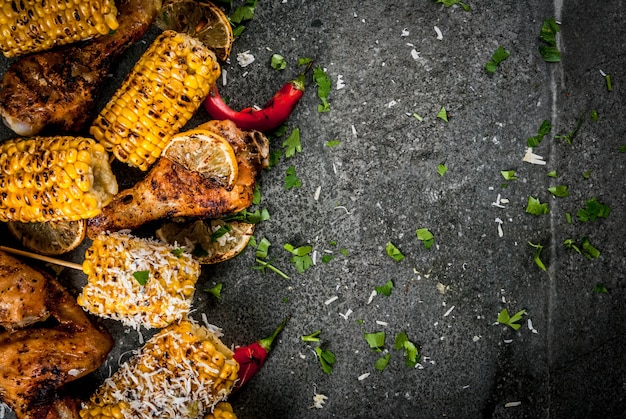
{"x":36,"y":361}
{"x":57,"y":88}
{"x":169,"y":190}
{"x":22,"y":294}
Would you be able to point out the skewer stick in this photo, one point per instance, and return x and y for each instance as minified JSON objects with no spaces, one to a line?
{"x":43,"y":258}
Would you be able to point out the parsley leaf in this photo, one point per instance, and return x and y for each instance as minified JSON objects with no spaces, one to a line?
{"x":442,"y":169}
{"x":241,"y":15}
{"x":278,"y":62}
{"x":216,"y":290}
{"x":550,"y":52}
{"x":254,"y":217}
{"x":262,"y":265}
{"x":411,"y":353}
{"x":385,"y":289}
{"x":512,"y":321}
{"x":535,"y":207}
{"x":178,"y":252}
{"x":141,"y":277}
{"x":376,"y":340}
{"x":551,"y":173}
{"x":508,"y":174}
{"x":592,"y":210}
{"x":263,"y":248}
{"x":292,"y":144}
{"x":426,"y":237}
{"x":559,"y":191}
{"x":301,"y":256}
{"x":500,"y":55}
{"x":381,"y":363}
{"x":313,"y":337}
{"x":589,"y":250}
{"x":323,"y":82}
{"x":571,"y":244}
{"x":332,"y":143}
{"x":570,"y":136}
{"x":443,"y":114}
{"x":394,"y":252}
{"x":291,"y":179}
{"x":221,"y":231}
{"x":449,"y":3}
{"x":327,"y":359}
{"x":599,"y":288}
{"x":537,"y":257}
{"x":544,"y":129}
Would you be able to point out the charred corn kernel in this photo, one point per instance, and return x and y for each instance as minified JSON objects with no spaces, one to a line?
{"x":171,"y":376}
{"x":33,"y":25}
{"x":222,"y":410}
{"x":38,"y":183}
{"x":155,"y":99}
{"x":138,"y":281}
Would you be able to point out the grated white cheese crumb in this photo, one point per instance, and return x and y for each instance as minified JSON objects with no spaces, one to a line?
{"x":447,"y":313}
{"x":318,"y":401}
{"x":415,"y":54}
{"x":353,"y":130}
{"x":512,"y":404}
{"x":533,"y":158}
{"x":530,"y":326}
{"x":475,"y":338}
{"x":364,"y":376}
{"x":245,"y":58}
{"x":439,"y":34}
{"x":317,"y":193}
{"x":224,"y":72}
{"x":392,"y":104}
{"x":340,"y":83}
{"x":500,"y":232}
{"x":381,"y":323}
{"x":331,"y":300}
{"x":74,"y":372}
{"x":405,"y":32}
{"x":372,"y":295}
{"x":346,"y":314}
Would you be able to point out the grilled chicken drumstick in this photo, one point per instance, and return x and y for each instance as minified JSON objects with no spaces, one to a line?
{"x":169,"y":190}
{"x":57,"y":88}
{"x":36,"y":361}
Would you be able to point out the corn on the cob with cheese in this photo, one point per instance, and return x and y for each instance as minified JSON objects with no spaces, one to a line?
{"x":160,"y":94}
{"x":54,"y":179}
{"x":222,"y":410}
{"x":181,"y":372}
{"x":140,"y":282}
{"x":33,"y":25}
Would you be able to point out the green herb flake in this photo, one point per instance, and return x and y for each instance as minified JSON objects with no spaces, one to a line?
{"x":292,"y":144}
{"x":599,"y":288}
{"x":262,"y":265}
{"x":327,"y":258}
{"x":537,"y":256}
{"x":221,"y":231}
{"x":332,"y":143}
{"x":594,"y":115}
{"x":323,"y":82}
{"x":622,"y":148}
{"x":313,"y":337}
{"x":417,"y":116}
{"x":589,"y":250}
{"x":263,"y":248}
{"x":385,"y":289}
{"x":411,"y":353}
{"x":571,"y":244}
{"x":552,"y":174}
{"x":535,"y":207}
{"x":141,"y":277}
{"x":199,"y":251}
{"x":250,"y":217}
{"x":512,"y":321}
{"x":382,"y":362}
{"x":304,"y":61}
{"x":301,"y":256}
{"x":593,"y":210}
{"x":376,"y":340}
{"x":550,"y":52}
{"x":500,"y":55}
{"x":443,"y":114}
{"x":241,"y":15}
{"x":278,"y":62}
{"x":426,"y":237}
{"x":560,"y":191}
{"x":609,"y":86}
{"x":442,"y":169}
{"x":544,"y":129}
{"x":509,"y":174}
{"x":178,"y":252}
{"x":327,"y":359}
{"x":448,"y":3}
{"x":215,"y":290}
{"x":568,"y":218}
{"x":394,"y":252}
{"x":291,"y":179}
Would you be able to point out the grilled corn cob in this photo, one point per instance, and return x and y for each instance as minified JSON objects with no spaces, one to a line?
{"x":138,"y":281}
{"x":158,"y":97}
{"x":34,"y":25}
{"x":181,"y":372}
{"x":53,"y":179}
{"x":222,"y":410}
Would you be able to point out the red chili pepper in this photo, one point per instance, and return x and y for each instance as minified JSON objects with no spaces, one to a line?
{"x":270,"y":117}
{"x":252,"y":357}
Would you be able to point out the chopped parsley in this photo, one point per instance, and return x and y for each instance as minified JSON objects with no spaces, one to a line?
{"x":559,"y":191}
{"x":375,"y":340}
{"x":442,"y":169}
{"x":512,"y":321}
{"x":278,"y":62}
{"x":411,"y":353}
{"x":385,"y":289}
{"x":426,"y":237}
{"x":178,"y":252}
{"x":544,"y":129}
{"x":622,"y":149}
{"x":215,"y":290}
{"x":291,"y":179}
{"x":449,"y":3}
{"x":500,"y":55}
{"x":552,"y":173}
{"x":241,"y":15}
{"x":301,"y":256}
{"x":141,"y":277}
{"x":382,"y":362}
{"x":262,"y":265}
{"x":549,"y":51}
{"x":569,"y":137}
{"x":609,"y":86}
{"x":292,"y":144}
{"x":443,"y":114}
{"x":599,"y":288}
{"x":589,"y":250}
{"x":394,"y":252}
{"x":263,"y":248}
{"x":535,"y":207}
{"x":199,"y":251}
{"x":246,"y":216}
{"x":509,"y":174}
{"x":327,"y":359}
{"x":593,"y":210}
{"x":304,"y":61}
{"x":537,"y":256}
{"x":323,"y":82}
{"x":332,"y":143}
{"x":221,"y":231}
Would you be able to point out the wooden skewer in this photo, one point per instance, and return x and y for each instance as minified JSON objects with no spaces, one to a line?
{"x":43,"y":258}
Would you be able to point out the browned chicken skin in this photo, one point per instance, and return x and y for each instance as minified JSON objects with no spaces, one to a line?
{"x":169,"y":190}
{"x":36,"y":361}
{"x":57,"y":89}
